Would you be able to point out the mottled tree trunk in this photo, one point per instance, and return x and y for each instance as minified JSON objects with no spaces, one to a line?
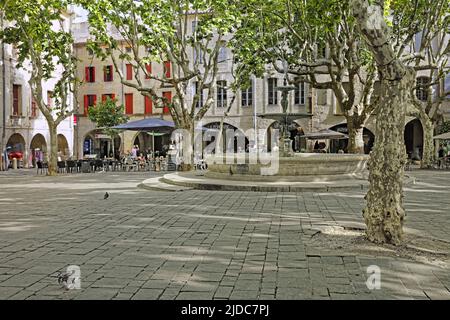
{"x":384,"y":212}
{"x":355,"y":138}
{"x":53,"y":155}
{"x":428,"y":143}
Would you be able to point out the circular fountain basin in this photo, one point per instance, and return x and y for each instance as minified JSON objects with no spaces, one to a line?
{"x":299,"y":167}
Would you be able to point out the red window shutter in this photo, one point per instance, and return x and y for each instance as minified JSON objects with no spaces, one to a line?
{"x":168,"y":96}
{"x":167,"y":70}
{"x":86,"y":104}
{"x":104,"y":73}
{"x":112,"y":73}
{"x":129,"y":103}
{"x":86,"y":73}
{"x":148,"y":105}
{"x":148,"y":68}
{"x":113,"y":96}
{"x":93,"y":74}
{"x":129,"y":71}
{"x":104,"y":96}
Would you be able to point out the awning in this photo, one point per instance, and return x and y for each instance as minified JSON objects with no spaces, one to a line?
{"x":325,"y":134}
{"x":147,"y":124}
{"x":443,"y":136}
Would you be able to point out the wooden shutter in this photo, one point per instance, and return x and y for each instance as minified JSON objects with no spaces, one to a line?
{"x":148,"y":68}
{"x":129,"y":103}
{"x":148,"y":105}
{"x":129,"y":71}
{"x":167,"y":70}
{"x":86,"y":104}
{"x":168,"y":96}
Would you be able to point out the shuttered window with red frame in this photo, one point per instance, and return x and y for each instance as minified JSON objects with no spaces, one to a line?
{"x":167,"y":69}
{"x":129,"y":71}
{"x":108,"y":73}
{"x":148,"y":105}
{"x":89,"y":100}
{"x":128,"y":103}
{"x":108,"y":95}
{"x":168,"y":96}
{"x":90,"y":74}
{"x":148,"y":68}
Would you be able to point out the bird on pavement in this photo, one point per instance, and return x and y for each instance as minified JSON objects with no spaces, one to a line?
{"x":106,"y":196}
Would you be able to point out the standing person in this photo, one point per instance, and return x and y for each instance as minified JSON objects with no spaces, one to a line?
{"x":133,"y":152}
{"x":441,"y":156}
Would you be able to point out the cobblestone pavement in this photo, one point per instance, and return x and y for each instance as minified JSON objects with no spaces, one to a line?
{"x":141,"y":244}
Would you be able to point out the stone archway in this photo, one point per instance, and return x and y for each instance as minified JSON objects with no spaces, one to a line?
{"x":15,"y":147}
{"x":413,"y":136}
{"x":341,"y":144}
{"x":38,"y":147}
{"x":63,"y":147}
{"x":235,"y":139}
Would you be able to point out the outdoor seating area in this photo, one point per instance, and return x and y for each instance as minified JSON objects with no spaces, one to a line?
{"x":109,"y":165}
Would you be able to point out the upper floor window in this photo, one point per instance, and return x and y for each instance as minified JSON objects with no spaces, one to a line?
{"x":247,"y":96}
{"x":111,"y":96}
{"x":128,"y":103}
{"x":108,"y":73}
{"x":223,"y":54}
{"x":422,"y":88}
{"x":167,"y":69}
{"x":17,"y":100}
{"x":221,"y":93}
{"x":129,"y":67}
{"x":272,"y":91}
{"x":89,"y":101}
{"x":148,"y":70}
{"x":34,"y":108}
{"x":299,"y":93}
{"x":90,"y":74}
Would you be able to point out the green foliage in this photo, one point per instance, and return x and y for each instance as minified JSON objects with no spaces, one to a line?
{"x":107,"y":114}
{"x":444,"y":127}
{"x":37,"y":31}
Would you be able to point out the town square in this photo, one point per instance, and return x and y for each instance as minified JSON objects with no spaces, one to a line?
{"x":225,"y":150}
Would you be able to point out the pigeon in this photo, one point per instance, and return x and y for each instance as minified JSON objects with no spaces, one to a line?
{"x":63,"y":279}
{"x":106,"y":196}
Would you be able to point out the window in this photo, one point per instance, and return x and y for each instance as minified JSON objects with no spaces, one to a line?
{"x":90,"y":51}
{"x":128,"y":49}
{"x":108,"y":73}
{"x":108,"y":95}
{"x":422,"y":88}
{"x":129,"y":67}
{"x":33,"y":108}
{"x":90,"y":74}
{"x":200,"y":93}
{"x":128,"y":103}
{"x":148,"y":70}
{"x":272,"y":91}
{"x":223,"y":56}
{"x":299,"y":94}
{"x":167,"y":69}
{"x":148,"y":103}
{"x":221,"y":93}
{"x":167,"y":95}
{"x":17,"y":101}
{"x":247,"y":96}
{"x":89,"y":101}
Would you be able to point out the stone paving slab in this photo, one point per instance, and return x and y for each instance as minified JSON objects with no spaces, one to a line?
{"x":142,"y":244}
